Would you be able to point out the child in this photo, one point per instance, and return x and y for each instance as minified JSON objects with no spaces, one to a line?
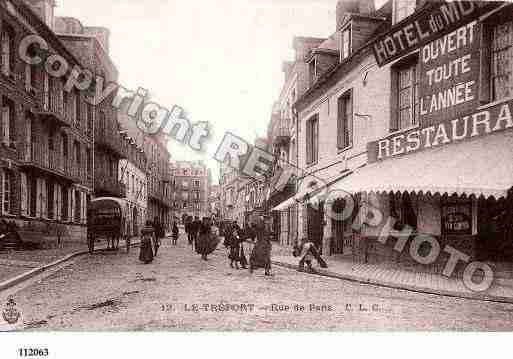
{"x":175,"y":233}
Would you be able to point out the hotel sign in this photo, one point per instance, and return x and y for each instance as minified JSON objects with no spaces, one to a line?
{"x":479,"y":123}
{"x":434,"y":21}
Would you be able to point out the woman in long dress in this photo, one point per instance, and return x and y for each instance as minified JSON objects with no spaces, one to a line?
{"x":203,"y":239}
{"x":147,"y":240}
{"x":261,"y":253}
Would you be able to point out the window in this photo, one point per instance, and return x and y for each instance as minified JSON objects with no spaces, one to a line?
{"x":312,"y":140}
{"x":404,"y":209}
{"x":185,"y":196}
{"x":50,"y":199}
{"x":7,"y":195}
{"x":65,"y":146}
{"x":403,"y":9}
{"x":46,"y":91}
{"x":8,"y":122}
{"x":345,"y":49}
{"x":78,"y":206}
{"x":32,"y":192}
{"x":502,"y":61}
{"x":345,"y":121}
{"x":185,"y":205}
{"x":89,"y":160}
{"x":64,"y":203}
{"x":7,"y":49}
{"x":185,"y":184}
{"x":76,"y":146}
{"x":405,"y":102}
{"x":76,"y":108}
{"x":196,"y":184}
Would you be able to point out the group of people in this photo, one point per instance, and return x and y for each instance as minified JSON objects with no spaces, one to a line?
{"x":258,"y":236}
{"x":203,"y":241}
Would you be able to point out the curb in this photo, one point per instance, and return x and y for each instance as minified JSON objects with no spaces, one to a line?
{"x":32,"y":273}
{"x":410,"y":288}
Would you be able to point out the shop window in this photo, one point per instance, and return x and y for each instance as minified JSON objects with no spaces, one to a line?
{"x":7,"y":193}
{"x":501,"y":75}
{"x":345,"y":121}
{"x":404,"y":209}
{"x":457,"y":217}
{"x":345,"y":49}
{"x":405,"y":95}
{"x":403,"y":9}
{"x":312,"y":140}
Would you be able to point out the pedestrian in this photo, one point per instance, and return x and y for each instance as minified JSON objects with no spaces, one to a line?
{"x":196,"y":228}
{"x":306,"y":252}
{"x":175,"y":233}
{"x":234,"y":243}
{"x":188,"y":229}
{"x":261,"y":253}
{"x":147,"y":240}
{"x":203,"y":240}
{"x":159,"y":233}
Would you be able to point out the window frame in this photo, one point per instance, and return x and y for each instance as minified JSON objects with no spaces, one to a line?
{"x":312,"y":140}
{"x":349,"y":30}
{"x":342,"y":119}
{"x":410,"y":63}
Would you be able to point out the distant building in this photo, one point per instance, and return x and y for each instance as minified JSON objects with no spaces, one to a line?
{"x":191,"y":189}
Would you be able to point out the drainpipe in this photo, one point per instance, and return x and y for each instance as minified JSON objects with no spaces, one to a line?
{"x":296,"y":119}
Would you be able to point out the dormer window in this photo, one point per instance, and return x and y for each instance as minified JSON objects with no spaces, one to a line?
{"x":345,"y":48}
{"x":403,"y":9}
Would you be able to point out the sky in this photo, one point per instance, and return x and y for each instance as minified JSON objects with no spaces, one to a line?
{"x":220,"y":60}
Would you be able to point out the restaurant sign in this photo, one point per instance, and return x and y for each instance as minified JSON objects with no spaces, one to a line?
{"x":479,"y":123}
{"x":433,"y":21}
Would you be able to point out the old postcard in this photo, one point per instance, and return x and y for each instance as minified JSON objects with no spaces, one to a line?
{"x":255,"y":166}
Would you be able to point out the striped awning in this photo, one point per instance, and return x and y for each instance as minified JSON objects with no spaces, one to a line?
{"x":481,"y":167}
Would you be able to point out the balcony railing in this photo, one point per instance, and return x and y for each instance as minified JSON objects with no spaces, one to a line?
{"x":110,"y":140}
{"x":109,"y":186}
{"x":42,"y":158}
{"x":53,"y":109}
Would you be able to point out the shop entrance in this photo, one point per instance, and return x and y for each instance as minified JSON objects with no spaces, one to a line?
{"x":315,"y":222}
{"x":495,"y":230}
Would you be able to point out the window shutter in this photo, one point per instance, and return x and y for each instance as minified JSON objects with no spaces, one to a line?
{"x":394,"y":101}
{"x":350,"y":118}
{"x":309,"y":142}
{"x":38,"y":198}
{"x":340,"y":122}
{"x":56,"y":202}
{"x":24,"y":194}
{"x":485,"y":60}
{"x":71,"y":213}
{"x":44,"y":203}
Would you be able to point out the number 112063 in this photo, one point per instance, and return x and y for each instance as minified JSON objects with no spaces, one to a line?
{"x":33,"y":352}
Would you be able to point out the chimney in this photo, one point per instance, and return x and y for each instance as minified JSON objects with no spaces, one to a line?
{"x":344,"y":7}
{"x":303,"y":46}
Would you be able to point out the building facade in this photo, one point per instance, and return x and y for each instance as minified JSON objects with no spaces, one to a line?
{"x":191,"y":189}
{"x":159,"y":180}
{"x":404,"y":125}
{"x":47,"y":140}
{"x":132,"y":174}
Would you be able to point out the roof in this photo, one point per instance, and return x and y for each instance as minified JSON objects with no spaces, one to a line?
{"x":469,"y":168}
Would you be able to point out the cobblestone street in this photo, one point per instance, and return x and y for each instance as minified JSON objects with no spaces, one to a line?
{"x":179,"y":291}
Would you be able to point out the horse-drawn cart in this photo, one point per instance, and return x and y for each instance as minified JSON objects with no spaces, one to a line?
{"x":107,"y":218}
